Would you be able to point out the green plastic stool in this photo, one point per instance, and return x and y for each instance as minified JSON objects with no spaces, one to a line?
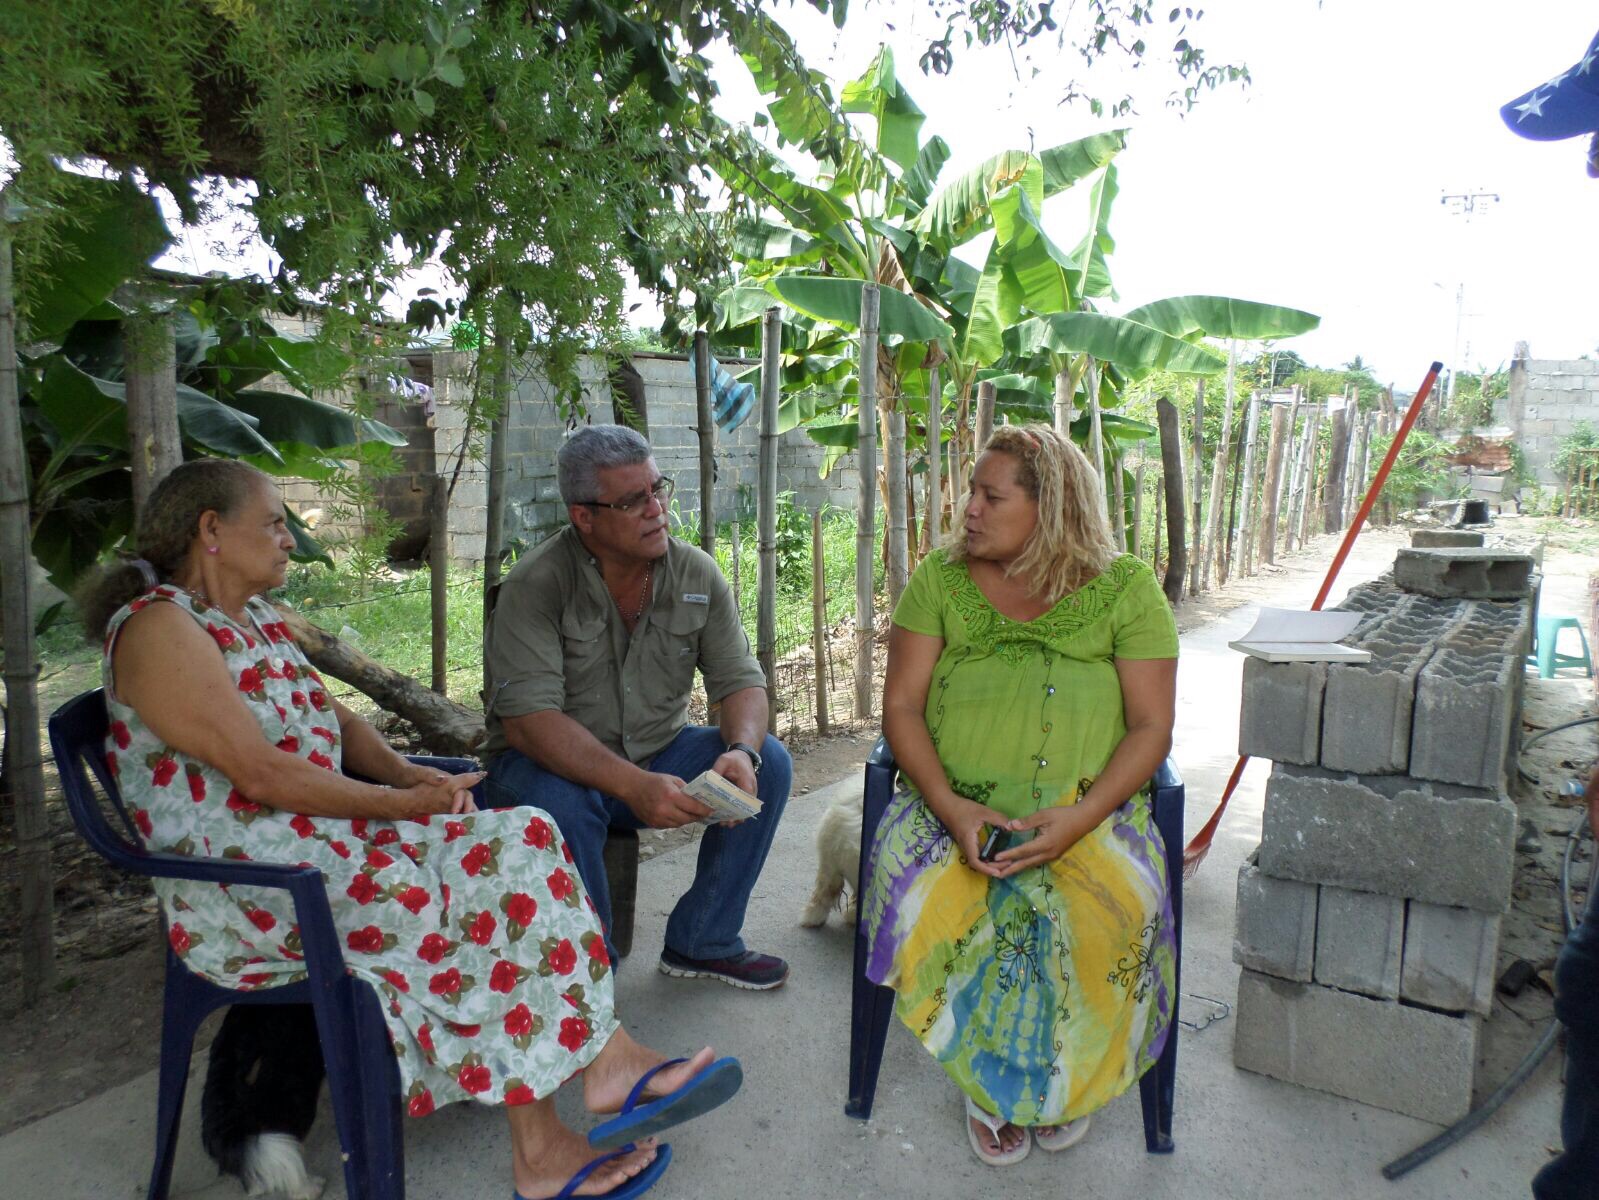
{"x":1549,"y":659}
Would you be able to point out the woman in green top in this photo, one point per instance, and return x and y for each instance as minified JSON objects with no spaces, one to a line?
{"x":1030,"y":691}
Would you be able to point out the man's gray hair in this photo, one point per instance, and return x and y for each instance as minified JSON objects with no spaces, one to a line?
{"x":590,"y":450}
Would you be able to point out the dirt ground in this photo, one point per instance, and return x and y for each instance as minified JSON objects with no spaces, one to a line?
{"x":101,"y":1025}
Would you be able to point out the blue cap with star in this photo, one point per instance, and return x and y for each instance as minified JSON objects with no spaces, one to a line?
{"x":1562,"y":107}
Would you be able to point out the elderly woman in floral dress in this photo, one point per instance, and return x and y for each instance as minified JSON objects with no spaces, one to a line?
{"x":472,"y":926}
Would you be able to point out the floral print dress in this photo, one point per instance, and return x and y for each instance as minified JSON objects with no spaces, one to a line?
{"x":1045,"y":994}
{"x":475,"y":930}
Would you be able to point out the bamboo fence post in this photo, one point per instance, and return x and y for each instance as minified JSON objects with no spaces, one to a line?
{"x":1242,"y":545}
{"x":1229,"y":529}
{"x":1281,"y":415}
{"x":898,"y":495}
{"x":1138,"y":510}
{"x":439,"y":579}
{"x":1119,"y":526}
{"x":985,"y":417}
{"x":866,"y":513}
{"x":1197,"y":482}
{"x":1332,"y":509}
{"x":494,"y":531}
{"x":819,"y":620}
{"x":1171,"y":455}
{"x":1294,"y":489}
{"x":962,"y":474}
{"x":766,"y":509}
{"x":24,"y":768}
{"x":738,"y":553}
{"x":1218,"y":471}
{"x":705,"y":428}
{"x":1307,"y":479}
{"x":1160,"y":511}
{"x":935,"y":460}
{"x":1352,"y":480}
{"x":1370,"y":429}
{"x":155,"y":445}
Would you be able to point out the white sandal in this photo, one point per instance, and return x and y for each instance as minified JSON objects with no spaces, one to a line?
{"x":1056,"y":1138}
{"x":993,"y":1124}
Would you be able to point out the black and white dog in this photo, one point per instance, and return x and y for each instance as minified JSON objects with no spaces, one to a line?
{"x":260,"y":1097}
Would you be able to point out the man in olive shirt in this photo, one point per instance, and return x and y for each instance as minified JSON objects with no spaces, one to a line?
{"x":592,"y":650}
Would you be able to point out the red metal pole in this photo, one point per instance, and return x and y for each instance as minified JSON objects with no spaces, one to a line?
{"x":1195,"y":852}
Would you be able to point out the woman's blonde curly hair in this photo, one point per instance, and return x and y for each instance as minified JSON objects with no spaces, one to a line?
{"x":1072,"y":542}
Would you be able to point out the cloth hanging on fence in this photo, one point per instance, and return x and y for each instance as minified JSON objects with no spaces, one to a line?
{"x":732,"y":400}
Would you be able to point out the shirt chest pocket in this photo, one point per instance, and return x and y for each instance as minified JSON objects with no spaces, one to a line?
{"x":585,"y":653}
{"x":675,"y":647}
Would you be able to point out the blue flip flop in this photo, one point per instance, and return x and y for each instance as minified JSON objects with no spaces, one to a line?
{"x":636,"y":1186}
{"x":713,"y":1086}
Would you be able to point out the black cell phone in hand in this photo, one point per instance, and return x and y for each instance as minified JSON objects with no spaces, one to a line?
{"x":998,"y":839}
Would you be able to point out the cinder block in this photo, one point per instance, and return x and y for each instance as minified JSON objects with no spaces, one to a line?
{"x":1464,"y":572}
{"x":1275,"y":924}
{"x":1390,"y":834}
{"x":1379,"y":1052}
{"x":1360,"y":938}
{"x":1280,"y":717}
{"x":1450,"y":956}
{"x":1468,"y":697}
{"x":1431,"y":538}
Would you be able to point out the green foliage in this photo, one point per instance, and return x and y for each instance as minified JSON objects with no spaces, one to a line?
{"x":1422,"y":468}
{"x":1583,"y":436}
{"x":1473,"y":405}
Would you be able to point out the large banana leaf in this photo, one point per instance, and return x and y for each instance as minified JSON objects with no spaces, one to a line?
{"x":1111,"y":339}
{"x":917,"y":184}
{"x":74,"y":402}
{"x":1025,"y":272}
{"x":295,"y":420}
{"x":1223,"y":317}
{"x":959,"y":212}
{"x":1097,"y":243}
{"x":817,"y":212}
{"x":116,"y":230}
{"x":878,"y":94}
{"x":838,"y":302}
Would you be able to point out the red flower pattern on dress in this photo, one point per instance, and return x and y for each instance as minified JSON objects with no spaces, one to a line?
{"x":503,"y":977}
{"x":321,"y":760}
{"x":474,"y":1079}
{"x":453,"y":830}
{"x":424,"y":1037}
{"x":397,"y":980}
{"x":482,"y":929}
{"x":598,"y":953}
{"x":164,"y":772}
{"x":376,"y":858}
{"x":521,"y":908}
{"x":445,"y":982}
{"x":520,"y":1094}
{"x":358,"y":827}
{"x":290,"y":744}
{"x":362,"y":889}
{"x":249,"y":680}
{"x":239,"y":802}
{"x":415,"y":899}
{"x":563,"y":958}
{"x":538,"y":834}
{"x":302,"y":825}
{"x":519,"y":1021}
{"x":262,"y":919}
{"x":475,"y":859}
{"x":560,"y":884}
{"x":420,"y":1104}
{"x":298,"y":699}
{"x":574,"y":1033}
{"x":222,"y":635}
{"x":386,"y":836}
{"x":319,"y":700}
{"x":464,"y":1031}
{"x":290,"y":672}
{"x":432,"y":948}
{"x":326,"y":734}
{"x":141,"y":818}
{"x":340,"y":849}
{"x":196,"y":778}
{"x":178,"y":937}
{"x":366,"y":940}
{"x":119,"y":732}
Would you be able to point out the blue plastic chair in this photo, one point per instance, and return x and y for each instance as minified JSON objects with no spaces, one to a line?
{"x":363,"y":1078}
{"x":872,"y":1005}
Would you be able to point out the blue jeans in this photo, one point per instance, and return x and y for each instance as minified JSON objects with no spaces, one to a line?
{"x":1574,"y":1174}
{"x":707,"y":919}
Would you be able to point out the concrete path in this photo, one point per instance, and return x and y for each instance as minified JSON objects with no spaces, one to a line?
{"x":1239,"y":1136}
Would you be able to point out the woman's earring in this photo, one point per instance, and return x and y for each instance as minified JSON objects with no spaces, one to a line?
{"x":210,"y":549}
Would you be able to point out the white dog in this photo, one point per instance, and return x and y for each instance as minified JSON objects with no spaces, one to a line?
{"x":838,"y":852}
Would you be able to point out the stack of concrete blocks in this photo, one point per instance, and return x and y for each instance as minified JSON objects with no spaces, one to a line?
{"x":1368,"y":918}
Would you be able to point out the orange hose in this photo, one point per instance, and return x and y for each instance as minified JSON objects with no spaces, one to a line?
{"x":1194,"y":853}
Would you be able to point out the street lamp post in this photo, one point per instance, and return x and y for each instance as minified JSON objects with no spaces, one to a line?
{"x":1467,"y":205}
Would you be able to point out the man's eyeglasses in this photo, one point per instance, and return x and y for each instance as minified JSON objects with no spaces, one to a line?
{"x":660,"y":490}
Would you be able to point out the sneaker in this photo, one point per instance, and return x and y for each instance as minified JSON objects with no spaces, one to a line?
{"x":757,"y":972}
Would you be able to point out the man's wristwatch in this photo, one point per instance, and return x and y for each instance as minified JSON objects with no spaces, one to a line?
{"x":755,"y":755}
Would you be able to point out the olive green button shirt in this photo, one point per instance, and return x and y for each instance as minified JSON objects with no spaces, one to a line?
{"x":556,"y":642}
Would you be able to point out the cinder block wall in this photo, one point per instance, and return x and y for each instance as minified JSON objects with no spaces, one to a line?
{"x":1548,"y":398}
{"x":537,"y":427}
